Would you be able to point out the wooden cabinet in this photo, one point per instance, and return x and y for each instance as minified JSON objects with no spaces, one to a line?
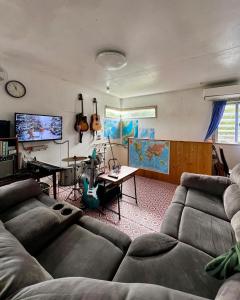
{"x":194,"y":157}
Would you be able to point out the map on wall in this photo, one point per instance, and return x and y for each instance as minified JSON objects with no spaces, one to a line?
{"x":112,"y":128}
{"x":149,"y":154}
{"x":146,"y":133}
{"x":129,"y":129}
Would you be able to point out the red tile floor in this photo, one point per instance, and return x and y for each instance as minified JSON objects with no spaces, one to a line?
{"x":154,"y":198}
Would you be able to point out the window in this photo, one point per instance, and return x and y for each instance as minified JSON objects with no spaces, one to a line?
{"x":131,"y":113}
{"x":111,"y":112}
{"x":228,"y":130}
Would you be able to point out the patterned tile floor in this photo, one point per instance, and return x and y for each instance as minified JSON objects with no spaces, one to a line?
{"x":154,"y":198}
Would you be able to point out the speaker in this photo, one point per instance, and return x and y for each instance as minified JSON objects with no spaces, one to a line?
{"x":4,"y":129}
{"x":6,"y":167}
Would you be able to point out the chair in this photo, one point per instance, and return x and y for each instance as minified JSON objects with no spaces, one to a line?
{"x":224,"y":162}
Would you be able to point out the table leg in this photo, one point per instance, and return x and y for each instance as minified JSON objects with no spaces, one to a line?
{"x":54,"y":185}
{"x":135,"y":189}
{"x":119,"y":212}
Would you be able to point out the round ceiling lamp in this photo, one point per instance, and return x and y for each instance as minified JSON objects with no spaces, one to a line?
{"x":111,"y":60}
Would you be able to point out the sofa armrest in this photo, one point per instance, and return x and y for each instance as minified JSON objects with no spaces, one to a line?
{"x":215,"y":185}
{"x":117,"y":237}
{"x":80,"y":288}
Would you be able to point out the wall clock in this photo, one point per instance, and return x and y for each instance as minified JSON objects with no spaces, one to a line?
{"x":15,"y":89}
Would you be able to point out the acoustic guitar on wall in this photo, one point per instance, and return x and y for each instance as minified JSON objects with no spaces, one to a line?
{"x":95,"y":124}
{"x":81,"y":124}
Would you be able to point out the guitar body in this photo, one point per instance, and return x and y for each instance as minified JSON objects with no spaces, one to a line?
{"x":81,"y":124}
{"x":77,"y":125}
{"x":95,"y":124}
{"x":90,"y":197}
{"x":84,"y":124}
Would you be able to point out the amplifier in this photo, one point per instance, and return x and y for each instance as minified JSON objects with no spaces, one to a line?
{"x":7,"y":166}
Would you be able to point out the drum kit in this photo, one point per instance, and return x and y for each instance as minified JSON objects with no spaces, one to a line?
{"x":79,"y":167}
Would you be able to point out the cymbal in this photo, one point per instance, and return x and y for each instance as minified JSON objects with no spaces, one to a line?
{"x":74,"y":158}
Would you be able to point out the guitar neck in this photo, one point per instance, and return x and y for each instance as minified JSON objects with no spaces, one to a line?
{"x":80,"y":98}
{"x":82,"y":107}
{"x":92,"y":174}
{"x":95,"y":102}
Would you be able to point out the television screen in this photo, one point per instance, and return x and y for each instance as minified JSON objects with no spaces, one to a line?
{"x":31,"y":127}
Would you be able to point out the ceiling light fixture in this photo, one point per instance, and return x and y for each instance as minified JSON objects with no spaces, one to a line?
{"x":111,"y":60}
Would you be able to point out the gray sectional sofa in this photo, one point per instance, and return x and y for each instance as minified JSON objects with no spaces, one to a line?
{"x":49,"y":250}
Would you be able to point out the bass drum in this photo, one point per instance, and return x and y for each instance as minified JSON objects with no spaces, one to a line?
{"x":66,"y":177}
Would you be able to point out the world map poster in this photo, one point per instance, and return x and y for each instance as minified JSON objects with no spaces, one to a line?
{"x":151,"y":155}
{"x":112,"y":128}
{"x":129,"y":129}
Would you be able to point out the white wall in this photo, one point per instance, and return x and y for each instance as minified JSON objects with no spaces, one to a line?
{"x":182,"y":115}
{"x":49,"y":95}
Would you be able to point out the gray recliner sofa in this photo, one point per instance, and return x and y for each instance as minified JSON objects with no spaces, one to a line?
{"x":50,"y":251}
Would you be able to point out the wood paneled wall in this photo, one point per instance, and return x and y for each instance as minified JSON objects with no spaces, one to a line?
{"x":194,"y":157}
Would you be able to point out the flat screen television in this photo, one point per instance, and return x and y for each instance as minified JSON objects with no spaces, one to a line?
{"x":34,"y":127}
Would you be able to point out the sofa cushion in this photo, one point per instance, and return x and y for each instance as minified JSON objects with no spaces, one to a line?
{"x":92,"y":289}
{"x":207,"y":203}
{"x":235,"y":174}
{"x":18,"y":269}
{"x":79,"y":252}
{"x":117,"y":237}
{"x":180,"y":267}
{"x":16,"y":192}
{"x":20,"y":208}
{"x":198,"y":229}
{"x":205,"y":232}
{"x":215,"y":185}
{"x":230,"y":290}
{"x":231,"y":200}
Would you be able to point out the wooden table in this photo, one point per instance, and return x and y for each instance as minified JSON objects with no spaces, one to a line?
{"x":125,"y":174}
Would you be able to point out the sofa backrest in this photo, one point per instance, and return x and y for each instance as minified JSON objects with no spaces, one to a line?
{"x":17,"y":192}
{"x":18,"y":269}
{"x":231,"y":200}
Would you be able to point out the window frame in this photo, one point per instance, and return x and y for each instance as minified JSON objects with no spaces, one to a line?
{"x":236,"y":128}
{"x":121,"y":110}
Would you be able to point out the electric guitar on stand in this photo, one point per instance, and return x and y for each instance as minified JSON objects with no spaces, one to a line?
{"x":90,"y":197}
{"x":95,"y":124}
{"x":81,"y":124}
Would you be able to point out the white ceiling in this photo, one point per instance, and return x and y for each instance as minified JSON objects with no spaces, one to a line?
{"x":170,"y":44}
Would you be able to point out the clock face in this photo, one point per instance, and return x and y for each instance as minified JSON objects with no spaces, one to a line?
{"x":15,"y":89}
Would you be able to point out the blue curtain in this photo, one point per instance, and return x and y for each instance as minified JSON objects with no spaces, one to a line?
{"x":217,"y":113}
